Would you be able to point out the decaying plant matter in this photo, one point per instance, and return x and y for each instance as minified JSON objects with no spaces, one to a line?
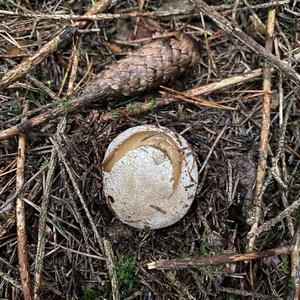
{"x":156,"y":63}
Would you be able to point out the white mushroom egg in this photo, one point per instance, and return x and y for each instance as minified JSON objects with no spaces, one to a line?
{"x":150,"y":176}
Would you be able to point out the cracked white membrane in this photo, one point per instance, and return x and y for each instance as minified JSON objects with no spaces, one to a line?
{"x":150,"y":176}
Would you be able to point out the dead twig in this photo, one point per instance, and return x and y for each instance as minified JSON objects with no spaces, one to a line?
{"x":11,"y":280}
{"x":286,"y":213}
{"x":110,"y":263}
{"x":284,"y":171}
{"x":244,"y":293}
{"x":137,"y":109}
{"x":295,"y":266}
{"x":253,"y":7}
{"x":226,"y":82}
{"x":196,"y":262}
{"x":42,"y":226}
{"x":195,"y":100}
{"x":280,"y":149}
{"x":226,"y":8}
{"x":7,"y":224}
{"x":212,"y":149}
{"x":21,"y":223}
{"x":46,"y":200}
{"x":265,"y":126}
{"x":133,"y":14}
{"x":96,"y":17}
{"x":223,"y":23}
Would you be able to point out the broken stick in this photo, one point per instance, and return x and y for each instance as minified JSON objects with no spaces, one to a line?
{"x":21,"y":223}
{"x":196,"y":262}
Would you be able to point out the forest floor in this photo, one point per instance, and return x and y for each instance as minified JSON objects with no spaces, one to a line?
{"x":238,"y":108}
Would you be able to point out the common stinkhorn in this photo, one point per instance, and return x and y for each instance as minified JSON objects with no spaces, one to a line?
{"x":150,"y":176}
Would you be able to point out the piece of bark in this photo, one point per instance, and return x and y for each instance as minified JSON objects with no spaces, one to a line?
{"x":156,"y":63}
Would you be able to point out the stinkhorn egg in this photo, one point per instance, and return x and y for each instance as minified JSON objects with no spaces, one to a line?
{"x":150,"y":176}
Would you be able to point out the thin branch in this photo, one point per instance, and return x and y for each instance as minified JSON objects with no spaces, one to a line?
{"x":100,"y":17}
{"x":256,"y":7}
{"x":243,"y":293}
{"x":286,"y":213}
{"x":295,"y":266}
{"x":97,"y":17}
{"x":46,"y":200}
{"x":196,"y":100}
{"x":20,"y":215}
{"x":11,"y":280}
{"x":110,"y":263}
{"x":285,"y":193}
{"x":265,"y":127}
{"x":42,"y":226}
{"x":71,"y":173}
{"x":212,"y":148}
{"x":133,"y":14}
{"x":279,"y":150}
{"x":196,"y":262}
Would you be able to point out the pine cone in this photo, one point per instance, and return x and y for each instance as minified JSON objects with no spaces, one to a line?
{"x":152,"y":65}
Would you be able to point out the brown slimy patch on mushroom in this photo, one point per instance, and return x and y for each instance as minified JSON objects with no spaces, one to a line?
{"x":131,"y":143}
{"x":158,"y":140}
{"x":164,"y":143}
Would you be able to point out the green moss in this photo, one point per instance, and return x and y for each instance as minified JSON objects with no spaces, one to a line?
{"x":286,"y":266}
{"x":203,"y":245}
{"x":92,"y":3}
{"x":90,"y":294}
{"x":127,"y":278}
{"x":9,"y":5}
{"x":50,"y":84}
{"x":132,"y":106}
{"x":65,"y":104}
{"x":98,"y":292}
{"x":208,"y":271}
{"x":153,"y":105}
{"x":45,"y":162}
{"x":115,"y":113}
